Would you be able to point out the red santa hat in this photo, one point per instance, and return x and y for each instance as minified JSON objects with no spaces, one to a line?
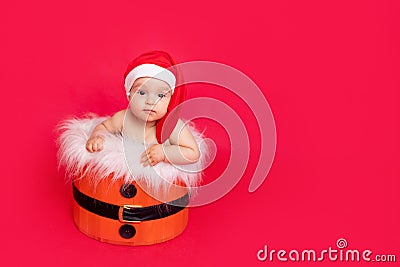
{"x":159,"y":65}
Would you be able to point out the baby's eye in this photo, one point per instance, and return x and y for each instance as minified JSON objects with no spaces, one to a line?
{"x":140,"y":92}
{"x":161,"y":95}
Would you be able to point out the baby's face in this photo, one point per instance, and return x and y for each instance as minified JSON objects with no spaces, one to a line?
{"x":149,"y":99}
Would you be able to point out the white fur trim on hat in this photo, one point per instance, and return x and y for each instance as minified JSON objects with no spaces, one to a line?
{"x":149,"y":70}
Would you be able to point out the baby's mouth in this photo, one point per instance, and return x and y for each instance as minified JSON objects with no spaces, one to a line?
{"x":149,"y":110}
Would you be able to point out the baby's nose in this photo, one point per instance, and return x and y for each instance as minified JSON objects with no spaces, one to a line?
{"x":151,"y":100}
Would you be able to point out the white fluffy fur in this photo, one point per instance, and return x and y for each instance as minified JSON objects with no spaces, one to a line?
{"x":112,"y":160}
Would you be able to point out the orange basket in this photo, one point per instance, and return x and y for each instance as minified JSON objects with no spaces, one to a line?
{"x":125,"y":214}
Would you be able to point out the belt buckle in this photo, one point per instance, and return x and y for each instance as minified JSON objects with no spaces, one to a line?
{"x":129,"y":207}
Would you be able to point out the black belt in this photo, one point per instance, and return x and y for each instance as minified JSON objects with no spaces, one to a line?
{"x":129,"y":213}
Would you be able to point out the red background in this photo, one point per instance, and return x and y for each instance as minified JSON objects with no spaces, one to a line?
{"x":329,"y":70}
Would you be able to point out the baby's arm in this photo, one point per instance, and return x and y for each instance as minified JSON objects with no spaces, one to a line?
{"x":111,"y":125}
{"x":183,"y":148}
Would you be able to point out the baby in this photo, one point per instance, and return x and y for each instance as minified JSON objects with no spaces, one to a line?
{"x":150,"y":88}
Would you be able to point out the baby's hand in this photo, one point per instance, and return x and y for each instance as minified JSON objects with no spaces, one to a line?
{"x":95,"y":143}
{"x":153,"y":155}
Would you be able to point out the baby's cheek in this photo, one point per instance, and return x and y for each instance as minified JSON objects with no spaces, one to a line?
{"x":163,"y":113}
{"x":163,"y":110}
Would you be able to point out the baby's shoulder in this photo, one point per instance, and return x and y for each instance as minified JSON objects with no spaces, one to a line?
{"x":116,"y":120}
{"x":180,"y":128}
{"x":120,"y":115}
